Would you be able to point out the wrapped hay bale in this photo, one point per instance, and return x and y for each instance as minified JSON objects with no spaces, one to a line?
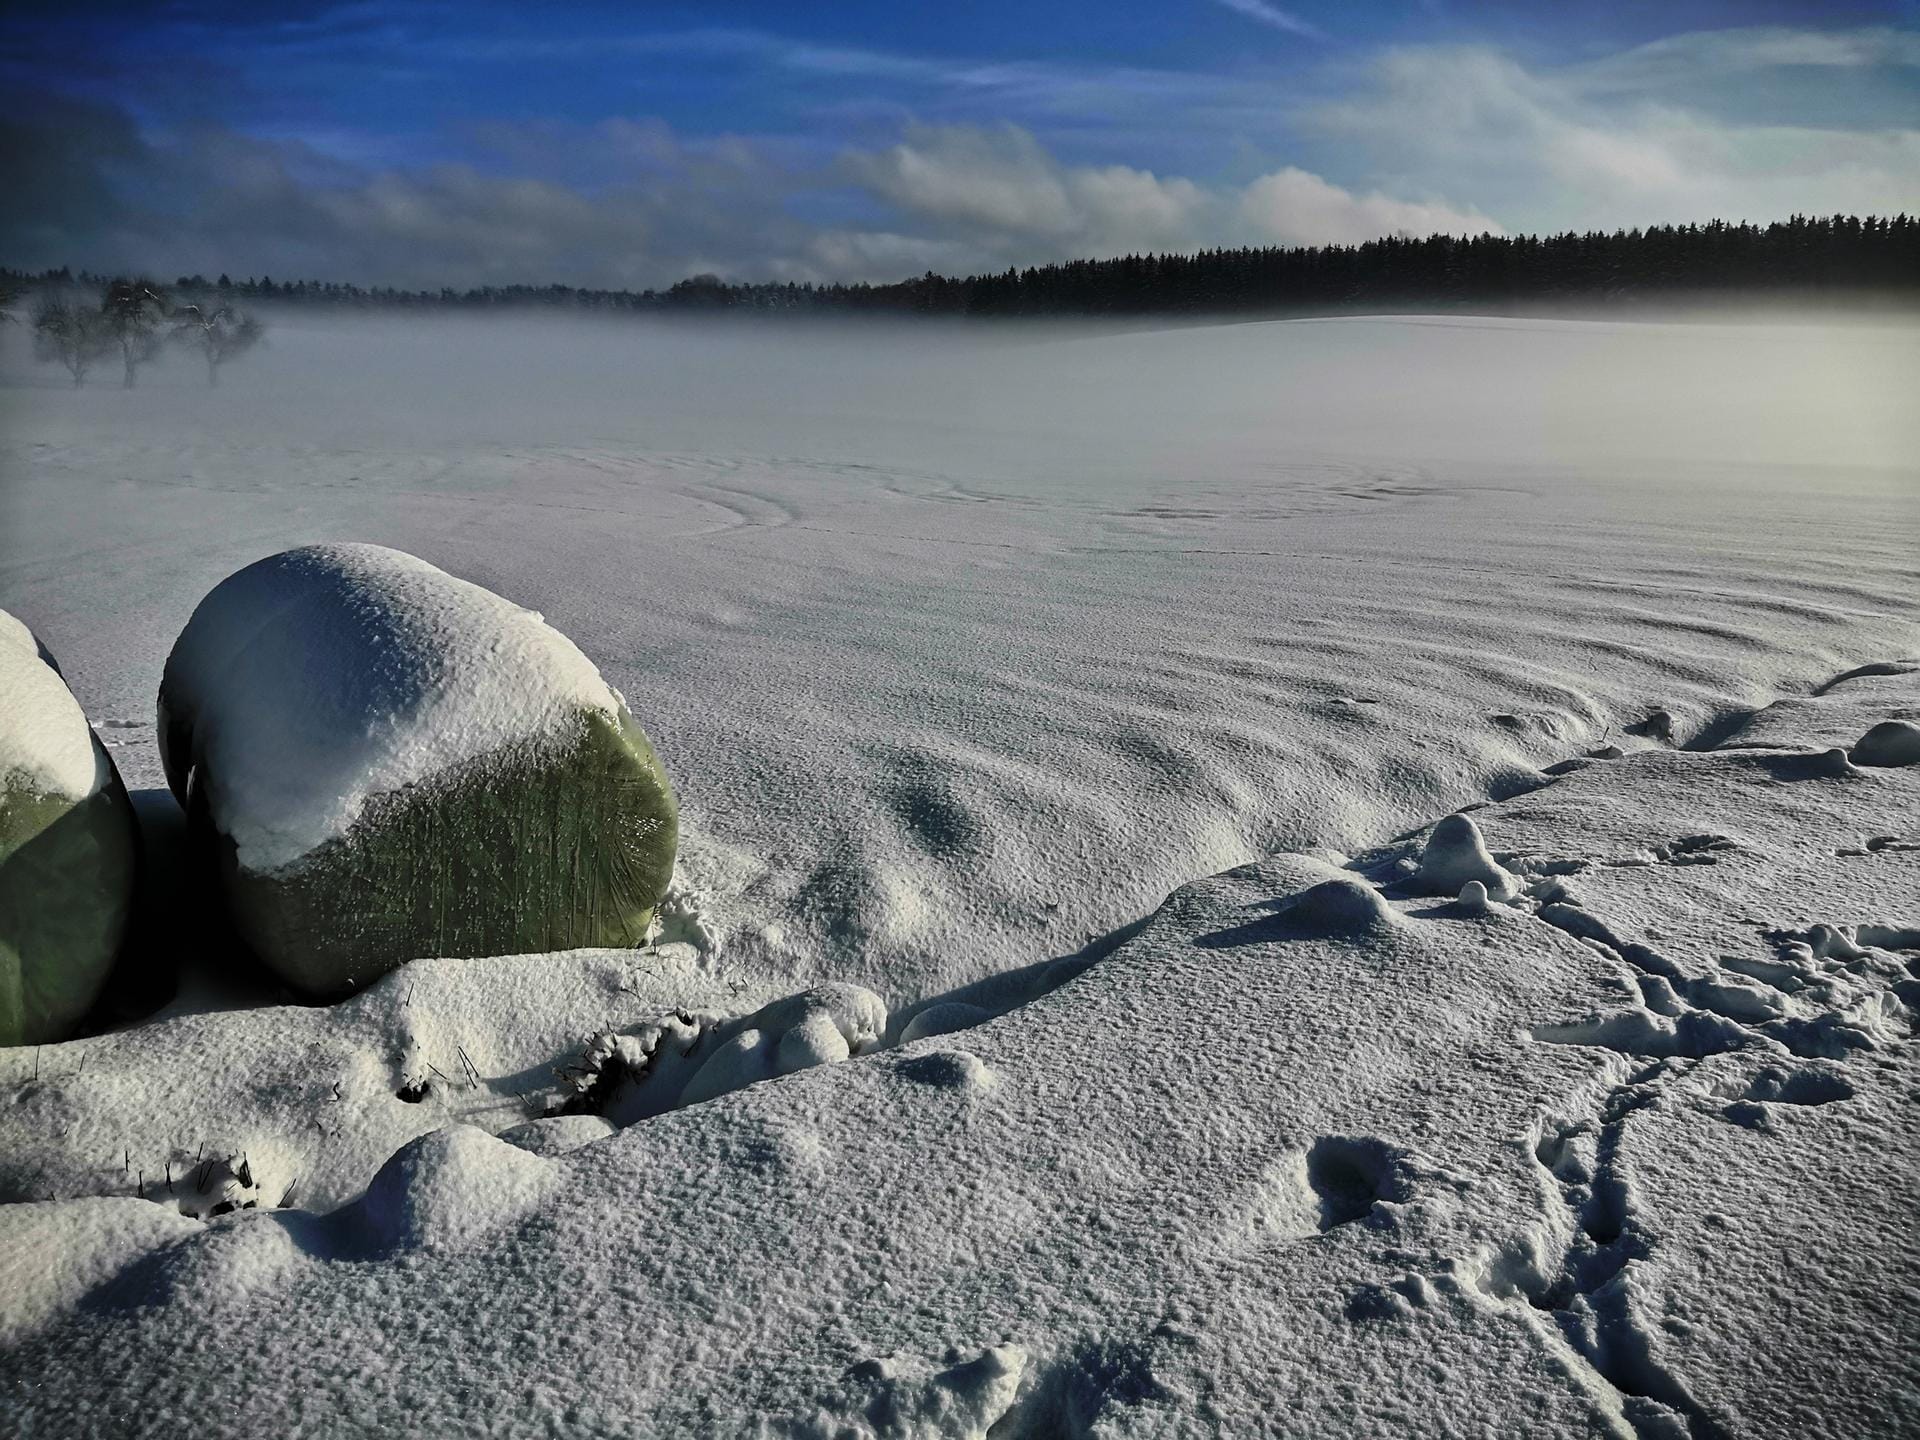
{"x":384,"y":762}
{"x":67,"y":849}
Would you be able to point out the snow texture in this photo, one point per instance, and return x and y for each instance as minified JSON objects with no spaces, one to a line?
{"x":1891,"y":742}
{"x":1305,"y":1134}
{"x":1093,"y":711}
{"x":1456,"y":857}
{"x":304,"y":727}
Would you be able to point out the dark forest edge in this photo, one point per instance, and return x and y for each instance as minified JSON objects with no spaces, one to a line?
{"x":1835,"y":258}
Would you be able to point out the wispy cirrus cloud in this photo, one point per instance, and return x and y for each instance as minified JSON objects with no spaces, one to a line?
{"x":1274,"y":17}
{"x":1554,"y":149}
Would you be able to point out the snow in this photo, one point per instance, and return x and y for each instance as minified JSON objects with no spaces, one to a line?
{"x":1891,"y":742}
{"x":1283,"y":876}
{"x":1456,"y":857}
{"x":46,"y":748}
{"x":302,"y":730}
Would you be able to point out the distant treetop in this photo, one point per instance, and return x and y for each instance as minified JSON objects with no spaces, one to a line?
{"x":1808,"y":256}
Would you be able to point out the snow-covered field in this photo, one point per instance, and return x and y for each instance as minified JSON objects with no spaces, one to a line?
{"x":966,"y":650}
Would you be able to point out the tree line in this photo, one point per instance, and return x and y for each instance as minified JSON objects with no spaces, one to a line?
{"x":79,"y":323}
{"x":1831,"y":257}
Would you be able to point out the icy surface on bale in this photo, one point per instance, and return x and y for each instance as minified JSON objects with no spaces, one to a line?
{"x":67,"y":849}
{"x":46,"y":748}
{"x":342,"y":672}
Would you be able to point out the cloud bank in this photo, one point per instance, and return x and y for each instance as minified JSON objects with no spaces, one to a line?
{"x":1419,"y":139}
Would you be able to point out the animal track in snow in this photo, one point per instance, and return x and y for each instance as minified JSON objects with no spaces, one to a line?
{"x":1658,"y":725}
{"x":1577,"y":1299}
{"x":1349,"y":1176}
{"x":1878,"y":845}
{"x":683,"y":1058}
{"x":1826,"y":997}
{"x":1694,"y":850}
{"x":1335,"y":1181}
{"x":956,"y":1398}
{"x":1805,"y":1085}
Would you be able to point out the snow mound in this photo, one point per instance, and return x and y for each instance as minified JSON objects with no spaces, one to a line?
{"x":1341,"y":905}
{"x":46,"y":747}
{"x":1455,"y":855}
{"x":1890,"y":744}
{"x":951,"y":1070}
{"x":450,"y":1190}
{"x":55,"y":1252}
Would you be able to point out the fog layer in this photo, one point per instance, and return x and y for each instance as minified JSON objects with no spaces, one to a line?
{"x":964,"y":645}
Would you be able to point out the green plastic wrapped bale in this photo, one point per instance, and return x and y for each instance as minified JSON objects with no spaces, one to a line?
{"x":383,"y":762}
{"x":68,"y":849}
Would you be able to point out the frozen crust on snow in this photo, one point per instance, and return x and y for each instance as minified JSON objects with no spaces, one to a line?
{"x":318,"y":678}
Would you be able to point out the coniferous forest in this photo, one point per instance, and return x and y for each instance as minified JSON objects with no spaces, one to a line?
{"x":1834,"y":258}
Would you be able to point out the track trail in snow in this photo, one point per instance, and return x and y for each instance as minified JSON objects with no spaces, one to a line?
{"x":1334,"y":1138}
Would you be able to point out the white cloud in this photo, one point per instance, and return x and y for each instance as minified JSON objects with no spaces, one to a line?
{"x":1293,"y":207}
{"x":1002,"y":190}
{"x":1420,"y":140}
{"x":1553,"y":150}
{"x":1013,"y":201}
{"x":1275,"y":17}
{"x":1693,"y":57}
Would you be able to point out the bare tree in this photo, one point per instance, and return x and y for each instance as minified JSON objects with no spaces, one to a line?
{"x":132,"y":311}
{"x":71,"y":333}
{"x":218,"y":331}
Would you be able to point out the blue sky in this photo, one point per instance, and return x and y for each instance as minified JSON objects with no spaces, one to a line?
{"x":420,"y":143}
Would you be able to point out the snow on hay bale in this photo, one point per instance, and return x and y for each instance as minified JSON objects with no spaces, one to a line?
{"x":67,"y":849}
{"x":384,"y":762}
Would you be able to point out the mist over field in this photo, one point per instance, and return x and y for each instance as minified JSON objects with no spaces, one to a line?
{"x":909,"y":610}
